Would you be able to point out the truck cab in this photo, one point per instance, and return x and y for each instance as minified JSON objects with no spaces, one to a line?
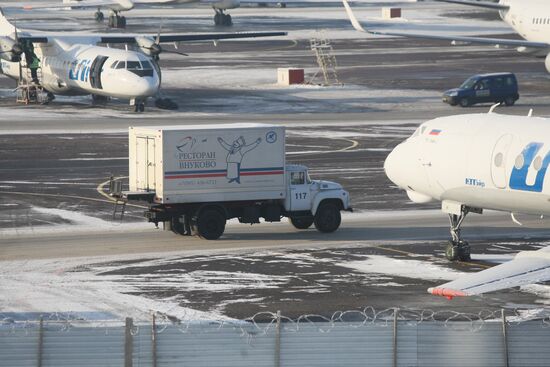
{"x":313,"y":201}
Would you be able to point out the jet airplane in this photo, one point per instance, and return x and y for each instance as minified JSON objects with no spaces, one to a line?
{"x":529,"y":18}
{"x":474,"y":162}
{"x":116,"y":7}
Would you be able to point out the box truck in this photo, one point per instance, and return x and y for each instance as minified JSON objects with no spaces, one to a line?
{"x":196,"y":177}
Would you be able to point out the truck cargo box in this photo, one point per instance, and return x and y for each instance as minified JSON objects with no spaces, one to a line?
{"x":207,"y":163}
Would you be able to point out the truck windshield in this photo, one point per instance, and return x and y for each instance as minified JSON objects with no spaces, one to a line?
{"x":469,"y":83}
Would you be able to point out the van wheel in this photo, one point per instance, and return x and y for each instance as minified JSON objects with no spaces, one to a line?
{"x":302,"y":222}
{"x":328,"y":218}
{"x":509,"y":101}
{"x":209,"y":225}
{"x":464,"y":102}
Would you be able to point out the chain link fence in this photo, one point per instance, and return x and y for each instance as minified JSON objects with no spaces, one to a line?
{"x":390,"y":337}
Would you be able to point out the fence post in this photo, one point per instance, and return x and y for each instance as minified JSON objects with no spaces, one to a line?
{"x":505,"y":339}
{"x":278,"y":340}
{"x":128,"y":343}
{"x":154,"y":341}
{"x":395,"y":316}
{"x":40,"y":342}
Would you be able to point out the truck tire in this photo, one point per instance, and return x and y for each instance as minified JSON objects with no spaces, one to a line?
{"x":210,"y":224}
{"x":328,"y":218}
{"x":301,"y":222}
{"x":464,"y":102}
{"x":178,"y":227}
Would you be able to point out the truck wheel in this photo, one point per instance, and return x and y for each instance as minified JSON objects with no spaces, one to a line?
{"x":464,"y":102}
{"x":302,"y":222}
{"x":327,"y":219}
{"x":509,"y":101}
{"x":178,"y":227}
{"x":210,"y":224}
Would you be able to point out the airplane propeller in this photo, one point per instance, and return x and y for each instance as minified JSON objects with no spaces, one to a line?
{"x":156,"y":49}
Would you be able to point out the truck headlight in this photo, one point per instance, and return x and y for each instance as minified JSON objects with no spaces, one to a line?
{"x":452,"y":94}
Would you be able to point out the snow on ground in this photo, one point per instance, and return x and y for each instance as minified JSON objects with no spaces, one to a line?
{"x":53,"y":286}
{"x":403,"y":268}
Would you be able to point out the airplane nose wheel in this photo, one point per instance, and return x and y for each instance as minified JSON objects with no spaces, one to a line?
{"x":139,"y":107}
{"x":222,"y":19}
{"x":457,"y":249}
{"x":116,"y":21}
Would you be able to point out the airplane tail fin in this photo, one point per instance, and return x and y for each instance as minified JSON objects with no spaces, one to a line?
{"x":5,"y":26}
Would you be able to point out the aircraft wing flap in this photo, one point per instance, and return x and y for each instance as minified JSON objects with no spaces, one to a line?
{"x":481,"y":4}
{"x":522,"y":270}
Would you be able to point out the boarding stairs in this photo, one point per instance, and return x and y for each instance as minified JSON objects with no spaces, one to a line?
{"x":326,"y":60}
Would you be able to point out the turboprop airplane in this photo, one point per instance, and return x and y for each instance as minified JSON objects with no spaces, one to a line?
{"x":115,"y":7}
{"x":67,"y":64}
{"x":529,"y":18}
{"x":475,"y":162}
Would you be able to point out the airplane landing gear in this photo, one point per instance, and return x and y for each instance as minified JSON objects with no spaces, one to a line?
{"x":222,"y":19}
{"x":457,"y":249}
{"x":139,"y":105}
{"x":117,"y":21}
{"x":99,"y":16}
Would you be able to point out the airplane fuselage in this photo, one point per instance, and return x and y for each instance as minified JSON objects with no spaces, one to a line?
{"x":85,"y":69}
{"x":485,"y":161}
{"x":529,"y":18}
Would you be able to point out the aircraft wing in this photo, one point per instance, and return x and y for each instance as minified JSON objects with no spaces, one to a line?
{"x":527,"y":267}
{"x":132,"y":38}
{"x":482,"y":40}
{"x":481,"y":4}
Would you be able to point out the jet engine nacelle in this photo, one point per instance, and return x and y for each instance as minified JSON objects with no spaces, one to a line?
{"x":10,"y":50}
{"x":226,"y":4}
{"x":418,"y":198}
{"x":148,"y":46}
{"x":547,"y":63}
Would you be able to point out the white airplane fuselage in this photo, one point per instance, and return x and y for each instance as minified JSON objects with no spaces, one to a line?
{"x":529,"y":18}
{"x":486,"y":161}
{"x":79,"y":69}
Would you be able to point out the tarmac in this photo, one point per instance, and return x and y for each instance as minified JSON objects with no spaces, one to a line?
{"x":55,"y":159}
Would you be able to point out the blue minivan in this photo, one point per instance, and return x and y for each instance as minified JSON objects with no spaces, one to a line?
{"x":484,"y":88}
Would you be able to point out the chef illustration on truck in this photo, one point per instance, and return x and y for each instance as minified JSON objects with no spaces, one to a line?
{"x":235,"y":155}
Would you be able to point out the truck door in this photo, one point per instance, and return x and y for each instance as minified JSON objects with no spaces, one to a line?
{"x":299,"y":191}
{"x":95,"y":71}
{"x":145,"y":161}
{"x":498,"y":161}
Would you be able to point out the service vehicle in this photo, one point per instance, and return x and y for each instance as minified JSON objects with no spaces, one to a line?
{"x":484,"y":88}
{"x":196,"y":177}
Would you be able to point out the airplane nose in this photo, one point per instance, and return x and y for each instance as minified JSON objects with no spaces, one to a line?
{"x":391,"y":164}
{"x":146,"y":87}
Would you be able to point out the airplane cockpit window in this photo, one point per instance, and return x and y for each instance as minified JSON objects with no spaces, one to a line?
{"x":113,"y":65}
{"x":121,"y":65}
{"x":131,"y":65}
{"x":140,"y":69}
